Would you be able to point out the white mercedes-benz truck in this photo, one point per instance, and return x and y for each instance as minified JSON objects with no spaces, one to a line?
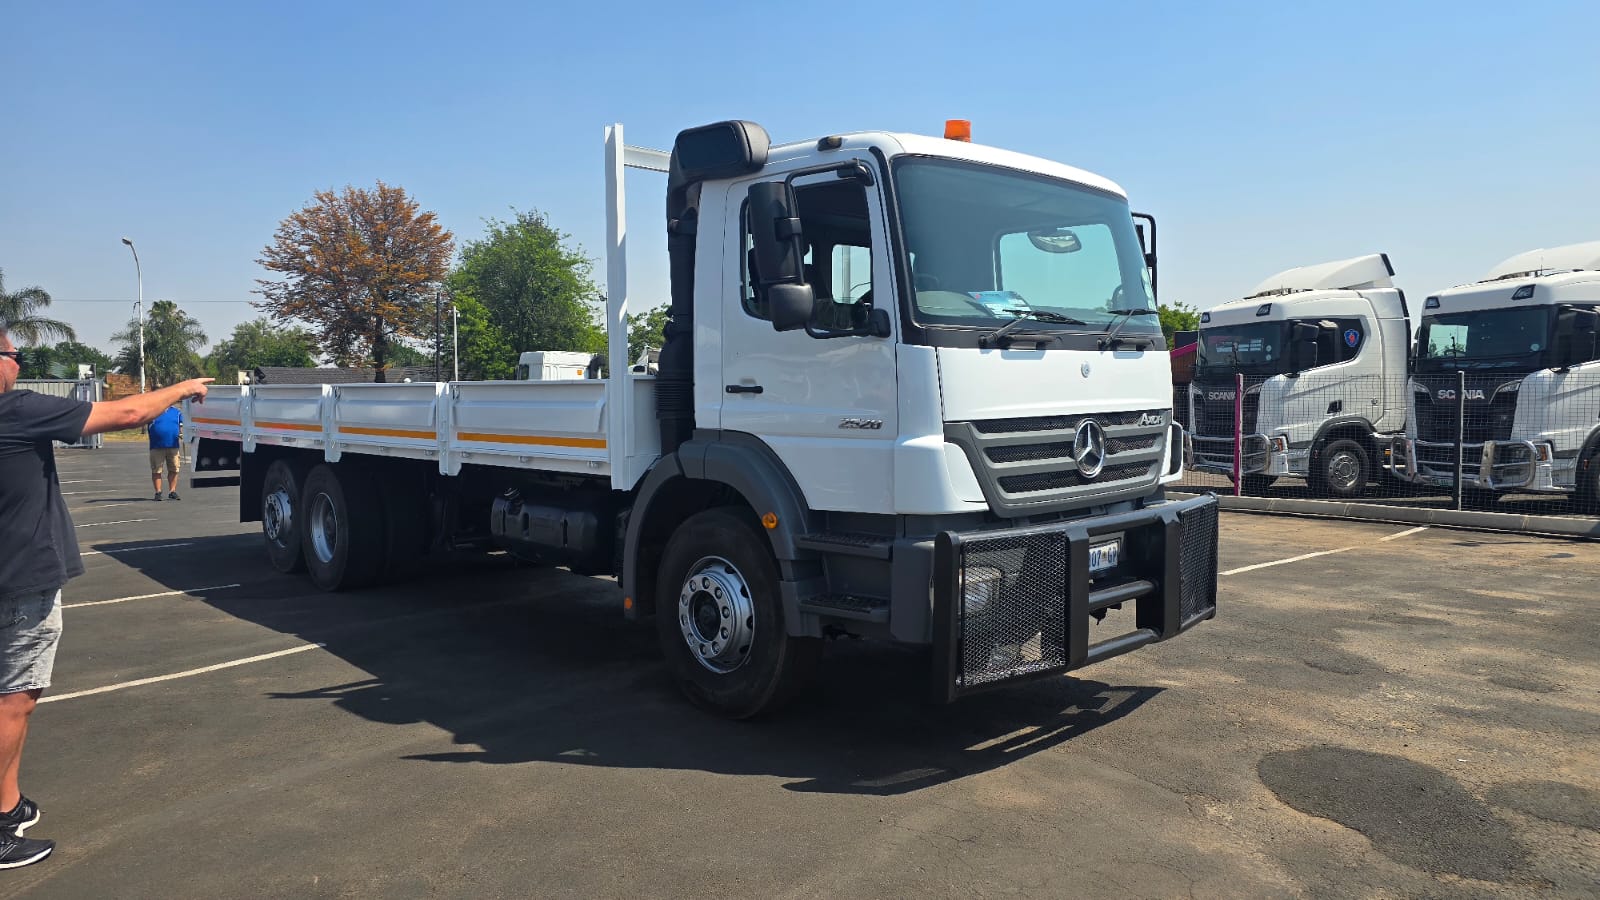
{"x":1511,"y":362}
{"x":1322,"y":350}
{"x":912,"y":389}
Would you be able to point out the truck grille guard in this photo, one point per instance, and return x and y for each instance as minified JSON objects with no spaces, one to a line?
{"x":1019,"y":603}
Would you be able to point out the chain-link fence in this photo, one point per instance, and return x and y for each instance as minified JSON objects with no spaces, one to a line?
{"x":1480,"y":438}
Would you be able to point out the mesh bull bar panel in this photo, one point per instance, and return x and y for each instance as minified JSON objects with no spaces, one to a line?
{"x":1016,"y":603}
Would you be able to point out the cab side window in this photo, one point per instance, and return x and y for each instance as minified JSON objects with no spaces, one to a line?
{"x":838,"y":260}
{"x":1339,"y":340}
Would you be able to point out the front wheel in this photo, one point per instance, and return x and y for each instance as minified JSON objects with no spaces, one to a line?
{"x":1588,"y":493}
{"x":720,"y":619}
{"x":1341,"y":470}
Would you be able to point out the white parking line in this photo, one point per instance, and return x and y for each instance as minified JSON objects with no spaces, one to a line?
{"x":91,"y":491}
{"x":215,"y":587}
{"x":119,"y":522}
{"x":103,"y":506}
{"x":1280,"y":562}
{"x":83,"y":481}
{"x":201,"y":671}
{"x":135,"y":549}
{"x":1403,"y":533}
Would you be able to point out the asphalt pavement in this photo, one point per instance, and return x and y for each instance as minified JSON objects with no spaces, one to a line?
{"x":1376,"y":711}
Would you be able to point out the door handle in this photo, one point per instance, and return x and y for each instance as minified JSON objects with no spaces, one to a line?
{"x":744,"y":388}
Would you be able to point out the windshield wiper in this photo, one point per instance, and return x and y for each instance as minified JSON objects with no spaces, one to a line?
{"x":1123,"y":317}
{"x":1023,"y":315}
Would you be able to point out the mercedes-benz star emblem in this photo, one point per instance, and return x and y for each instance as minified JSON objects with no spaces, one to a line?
{"x":1089,"y":448}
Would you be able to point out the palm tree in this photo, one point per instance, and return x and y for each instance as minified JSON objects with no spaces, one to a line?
{"x":19,"y":315}
{"x":171,"y":337}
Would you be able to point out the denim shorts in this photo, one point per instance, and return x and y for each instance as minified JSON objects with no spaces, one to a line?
{"x":30,"y":628}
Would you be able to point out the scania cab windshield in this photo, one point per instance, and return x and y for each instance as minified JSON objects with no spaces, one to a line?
{"x":1485,"y":339}
{"x":1254,"y":349}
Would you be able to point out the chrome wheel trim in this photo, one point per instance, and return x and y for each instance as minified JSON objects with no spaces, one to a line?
{"x":277,"y":516}
{"x":716,"y":615}
{"x":324,"y":527}
{"x":1343,"y":470}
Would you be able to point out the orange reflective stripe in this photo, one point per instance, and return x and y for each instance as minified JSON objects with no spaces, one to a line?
{"x":389,"y":432}
{"x":289,"y":426}
{"x":491,"y":438}
{"x":198,"y":420}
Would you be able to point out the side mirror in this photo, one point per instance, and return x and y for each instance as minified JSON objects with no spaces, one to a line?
{"x":779,"y":250}
{"x":1303,"y":356}
{"x":1585,"y":323}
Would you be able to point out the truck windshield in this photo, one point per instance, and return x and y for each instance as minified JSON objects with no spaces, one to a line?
{"x":987,"y":244}
{"x":1485,"y":339}
{"x":1254,"y":349}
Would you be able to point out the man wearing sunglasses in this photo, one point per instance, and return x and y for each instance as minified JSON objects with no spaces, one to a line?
{"x":38,"y":553}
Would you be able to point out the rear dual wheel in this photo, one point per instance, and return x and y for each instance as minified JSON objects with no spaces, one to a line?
{"x":342,"y":528}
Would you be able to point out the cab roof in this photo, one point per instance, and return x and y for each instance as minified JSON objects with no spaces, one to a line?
{"x":1548,"y":260}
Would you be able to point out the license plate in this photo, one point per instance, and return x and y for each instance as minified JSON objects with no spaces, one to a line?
{"x":1104,"y":556}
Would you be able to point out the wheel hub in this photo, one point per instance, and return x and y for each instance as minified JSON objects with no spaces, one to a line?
{"x":716,"y":615}
{"x":1343,"y":469}
{"x":324,"y":527}
{"x":277,"y":516}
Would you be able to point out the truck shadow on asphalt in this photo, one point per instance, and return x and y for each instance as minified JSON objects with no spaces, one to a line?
{"x":527,"y":665}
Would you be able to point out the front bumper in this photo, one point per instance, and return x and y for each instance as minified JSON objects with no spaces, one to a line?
{"x":1017,"y":603}
{"x":1260,"y":456}
{"x":1490,"y":465}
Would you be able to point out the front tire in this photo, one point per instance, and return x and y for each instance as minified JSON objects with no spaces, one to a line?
{"x":1588,"y":483}
{"x":1341,"y":470}
{"x":280,"y":518}
{"x":1256,"y":485}
{"x":343,"y":535}
{"x":720,"y":619}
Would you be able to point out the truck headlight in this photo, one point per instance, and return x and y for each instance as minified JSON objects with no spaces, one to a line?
{"x":1280,"y":443}
{"x":980,"y":588}
{"x":1544,"y":452}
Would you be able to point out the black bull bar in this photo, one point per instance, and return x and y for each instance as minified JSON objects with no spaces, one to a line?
{"x":1016,"y":603}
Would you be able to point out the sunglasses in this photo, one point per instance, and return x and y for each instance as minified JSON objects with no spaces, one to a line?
{"x":16,"y":355}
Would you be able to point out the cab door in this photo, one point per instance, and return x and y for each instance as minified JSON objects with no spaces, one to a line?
{"x":825,"y":405}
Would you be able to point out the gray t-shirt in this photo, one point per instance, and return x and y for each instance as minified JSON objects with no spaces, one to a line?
{"x":38,"y":548}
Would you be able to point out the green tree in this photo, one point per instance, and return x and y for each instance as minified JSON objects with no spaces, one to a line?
{"x":486,"y":353}
{"x":19,"y":315}
{"x":62,"y":360}
{"x":361,"y":267}
{"x":645,"y":331}
{"x":261,"y":343}
{"x":1178,"y":317}
{"x":171,"y":337}
{"x":535,"y":293}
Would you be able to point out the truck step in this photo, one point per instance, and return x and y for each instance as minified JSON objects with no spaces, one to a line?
{"x":845,"y":606}
{"x":847,"y":543}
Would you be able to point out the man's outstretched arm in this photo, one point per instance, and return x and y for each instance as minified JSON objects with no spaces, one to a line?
{"x":141,"y":409}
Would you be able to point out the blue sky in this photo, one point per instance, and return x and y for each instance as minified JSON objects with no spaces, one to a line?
{"x":1263,"y":136}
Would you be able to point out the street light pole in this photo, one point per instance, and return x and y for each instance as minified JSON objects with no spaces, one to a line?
{"x":138,"y":309}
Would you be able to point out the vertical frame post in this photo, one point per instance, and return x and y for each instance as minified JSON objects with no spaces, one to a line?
{"x":1461,"y":434}
{"x":1238,"y":435}
{"x":619,"y":400}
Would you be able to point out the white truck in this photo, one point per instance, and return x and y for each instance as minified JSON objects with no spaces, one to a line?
{"x":1511,"y":361}
{"x":969,"y":453}
{"x":1322,"y":350}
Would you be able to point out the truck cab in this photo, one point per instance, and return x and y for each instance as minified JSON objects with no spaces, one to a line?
{"x":1320,"y":352}
{"x":1509,"y":367}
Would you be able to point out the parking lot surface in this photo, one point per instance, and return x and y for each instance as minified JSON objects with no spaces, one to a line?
{"x":1377,"y":711}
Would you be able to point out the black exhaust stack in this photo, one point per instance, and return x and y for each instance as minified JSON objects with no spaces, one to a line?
{"x":723,"y":150}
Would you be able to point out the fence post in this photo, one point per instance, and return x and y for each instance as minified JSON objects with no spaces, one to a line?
{"x":1238,"y":435}
{"x":1461,"y":434}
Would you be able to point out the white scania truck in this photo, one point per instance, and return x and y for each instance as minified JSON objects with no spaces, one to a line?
{"x":912,"y":389}
{"x":1322,"y":350}
{"x":1512,"y":362}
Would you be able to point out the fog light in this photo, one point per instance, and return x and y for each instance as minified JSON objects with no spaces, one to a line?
{"x":980,"y":587}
